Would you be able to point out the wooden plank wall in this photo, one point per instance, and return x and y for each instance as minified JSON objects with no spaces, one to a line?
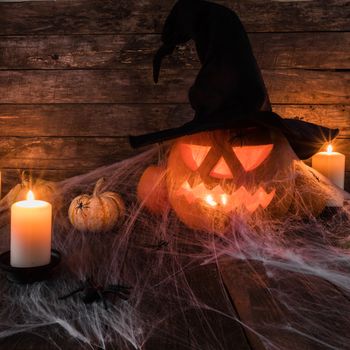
{"x":76,"y":78}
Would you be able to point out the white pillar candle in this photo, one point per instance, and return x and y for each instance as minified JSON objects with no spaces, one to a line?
{"x":331,"y":165}
{"x":31,"y":222}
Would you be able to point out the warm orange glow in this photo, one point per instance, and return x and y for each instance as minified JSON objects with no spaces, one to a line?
{"x":238,"y":199}
{"x":193,"y":155}
{"x":329,"y":148}
{"x":249,"y":156}
{"x":252,"y":156}
{"x":31,"y":202}
{"x":209,"y":199}
{"x":221,"y":170}
{"x":224,"y":199}
{"x":30,"y":196}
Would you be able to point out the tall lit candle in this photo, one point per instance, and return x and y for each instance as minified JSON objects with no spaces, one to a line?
{"x":331,"y":165}
{"x":31,"y":222}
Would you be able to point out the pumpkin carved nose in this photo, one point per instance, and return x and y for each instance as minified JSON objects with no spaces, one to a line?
{"x":221,"y":170}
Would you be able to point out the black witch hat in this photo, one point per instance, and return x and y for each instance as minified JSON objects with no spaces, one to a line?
{"x":229,"y":91}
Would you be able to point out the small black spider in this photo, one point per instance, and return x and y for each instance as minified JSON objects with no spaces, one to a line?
{"x":82,"y":205}
{"x":92,"y":292}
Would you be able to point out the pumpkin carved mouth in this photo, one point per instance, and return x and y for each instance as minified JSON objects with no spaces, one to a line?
{"x":217,"y":198}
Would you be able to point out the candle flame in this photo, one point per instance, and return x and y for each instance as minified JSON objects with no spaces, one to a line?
{"x":329,"y":148}
{"x":224,"y":199}
{"x":210,"y":200}
{"x":30,"y":196}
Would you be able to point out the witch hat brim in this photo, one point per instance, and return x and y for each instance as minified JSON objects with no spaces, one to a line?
{"x":305,"y":138}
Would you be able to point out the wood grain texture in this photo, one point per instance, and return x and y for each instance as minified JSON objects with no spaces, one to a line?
{"x":76,"y":78}
{"x":27,"y":341}
{"x":93,"y":86}
{"x":272,"y":50}
{"x":80,"y":152}
{"x":278,"y":322}
{"x":204,"y":328}
{"x":191,"y":329}
{"x":112,"y":120}
{"x":109,"y":120}
{"x":100,"y":87}
{"x":66,"y":153}
{"x":331,"y":116}
{"x":302,"y":50}
{"x":11,"y":177}
{"x":147,"y":16}
{"x":136,"y":86}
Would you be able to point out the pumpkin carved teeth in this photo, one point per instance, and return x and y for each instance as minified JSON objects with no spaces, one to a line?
{"x":227,"y":202}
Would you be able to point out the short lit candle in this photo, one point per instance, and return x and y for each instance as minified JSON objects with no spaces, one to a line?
{"x":330,"y":164}
{"x":31,"y":222}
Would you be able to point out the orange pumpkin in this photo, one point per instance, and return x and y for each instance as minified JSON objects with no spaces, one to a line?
{"x":211,"y":175}
{"x":152,"y":191}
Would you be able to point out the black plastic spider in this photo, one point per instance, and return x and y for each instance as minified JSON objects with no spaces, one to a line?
{"x":82,"y":205}
{"x":92,"y":292}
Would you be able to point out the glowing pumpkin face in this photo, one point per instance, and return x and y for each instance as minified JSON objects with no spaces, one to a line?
{"x":214,"y":174}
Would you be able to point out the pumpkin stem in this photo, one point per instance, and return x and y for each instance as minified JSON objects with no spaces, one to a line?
{"x":98,"y":186}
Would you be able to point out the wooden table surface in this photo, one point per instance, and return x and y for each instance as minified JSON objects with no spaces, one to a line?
{"x":242,"y":293}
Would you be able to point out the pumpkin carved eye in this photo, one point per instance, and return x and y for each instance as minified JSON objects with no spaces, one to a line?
{"x":252,"y":156}
{"x":193,"y":155}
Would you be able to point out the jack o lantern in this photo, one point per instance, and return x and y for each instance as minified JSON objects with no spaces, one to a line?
{"x":212,"y":175}
{"x":248,"y":167}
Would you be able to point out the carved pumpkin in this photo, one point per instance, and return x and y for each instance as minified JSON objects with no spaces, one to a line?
{"x":152,"y":191}
{"x":211,"y":175}
{"x":98,"y":212}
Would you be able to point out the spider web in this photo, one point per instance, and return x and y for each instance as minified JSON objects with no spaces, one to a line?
{"x":298,"y":265}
